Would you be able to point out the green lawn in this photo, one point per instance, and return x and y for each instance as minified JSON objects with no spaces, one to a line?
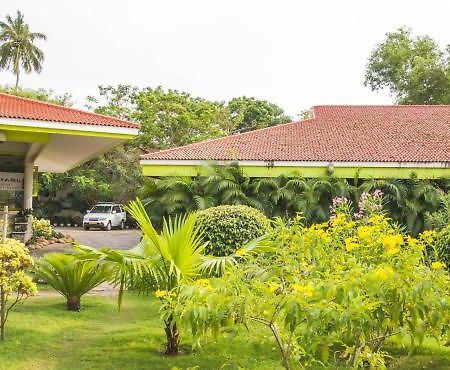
{"x":42,"y":335}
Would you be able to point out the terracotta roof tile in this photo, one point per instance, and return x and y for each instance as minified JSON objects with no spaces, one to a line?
{"x":23,"y":108}
{"x":336,"y":133}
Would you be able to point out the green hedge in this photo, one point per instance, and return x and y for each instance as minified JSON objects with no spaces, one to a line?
{"x":443,"y":245}
{"x":228,"y":228}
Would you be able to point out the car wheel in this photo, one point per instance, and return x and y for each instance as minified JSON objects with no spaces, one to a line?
{"x":122,"y":225}
{"x":86,"y":228}
{"x":108,"y":227}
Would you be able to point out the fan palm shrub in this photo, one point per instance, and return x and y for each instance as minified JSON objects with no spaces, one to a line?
{"x":161,"y":263}
{"x":71,"y":276}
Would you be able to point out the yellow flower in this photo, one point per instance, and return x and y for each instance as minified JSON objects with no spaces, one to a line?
{"x":339,"y":219}
{"x":392,"y":243}
{"x":438,"y":265}
{"x":375,"y":219}
{"x":350,"y":244}
{"x":161,"y":293}
{"x":364,"y":232}
{"x":305,"y":290}
{"x":384,"y":273}
{"x":202,"y":282}
{"x":273,"y":287}
{"x":428,"y":236}
{"x":240,"y":252}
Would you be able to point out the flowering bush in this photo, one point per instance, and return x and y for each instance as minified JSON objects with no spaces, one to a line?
{"x":15,"y":285}
{"x":42,"y":228}
{"x":342,"y":287}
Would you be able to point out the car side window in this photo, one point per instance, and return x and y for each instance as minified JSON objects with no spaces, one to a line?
{"x":117,"y":209}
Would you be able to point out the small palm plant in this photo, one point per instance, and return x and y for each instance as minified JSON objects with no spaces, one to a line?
{"x":70,"y":276}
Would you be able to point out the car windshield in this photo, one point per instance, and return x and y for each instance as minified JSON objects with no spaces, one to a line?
{"x":101,"y":209}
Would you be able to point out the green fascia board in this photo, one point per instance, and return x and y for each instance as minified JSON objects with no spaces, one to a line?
{"x":339,"y":172}
{"x":41,"y":130}
{"x":25,"y":136}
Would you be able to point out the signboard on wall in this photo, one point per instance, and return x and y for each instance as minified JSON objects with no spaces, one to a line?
{"x":11,"y":181}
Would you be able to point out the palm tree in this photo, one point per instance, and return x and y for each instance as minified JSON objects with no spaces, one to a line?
{"x":70,"y":276}
{"x":17,"y":48}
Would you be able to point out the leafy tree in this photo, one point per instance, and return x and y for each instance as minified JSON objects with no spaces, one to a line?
{"x":39,"y":94}
{"x":415,"y":70}
{"x":17,"y":46}
{"x":172,"y":118}
{"x":117,"y":101}
{"x":250,"y":113}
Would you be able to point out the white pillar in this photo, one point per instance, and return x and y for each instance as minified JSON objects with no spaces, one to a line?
{"x":28,"y":185}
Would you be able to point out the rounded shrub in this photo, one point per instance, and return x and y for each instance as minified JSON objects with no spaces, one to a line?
{"x":228,"y":228}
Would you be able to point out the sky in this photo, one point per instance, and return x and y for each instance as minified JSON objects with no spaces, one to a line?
{"x":294,"y":53}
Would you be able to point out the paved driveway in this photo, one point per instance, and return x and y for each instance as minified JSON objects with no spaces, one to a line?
{"x":115,"y":239}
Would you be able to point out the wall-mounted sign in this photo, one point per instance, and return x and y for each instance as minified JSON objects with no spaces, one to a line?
{"x":11,"y":181}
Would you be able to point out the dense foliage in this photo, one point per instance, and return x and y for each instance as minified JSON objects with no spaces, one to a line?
{"x":415,"y":70}
{"x":408,"y":202}
{"x":15,"y":285}
{"x":228,"y":228}
{"x":330,"y":292}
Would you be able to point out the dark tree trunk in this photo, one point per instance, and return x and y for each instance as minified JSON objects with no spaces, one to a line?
{"x":74,"y":303}
{"x":2,"y":314}
{"x":173,"y":337}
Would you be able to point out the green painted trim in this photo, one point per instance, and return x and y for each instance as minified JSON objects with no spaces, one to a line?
{"x":13,"y":154}
{"x":26,"y":137}
{"x":339,"y":172}
{"x":65,"y":132}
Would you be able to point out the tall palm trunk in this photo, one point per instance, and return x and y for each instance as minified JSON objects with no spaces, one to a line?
{"x":173,"y":337}
{"x":17,"y":80}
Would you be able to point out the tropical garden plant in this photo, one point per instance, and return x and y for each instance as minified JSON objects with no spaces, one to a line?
{"x":335,"y":291}
{"x":70,"y":276}
{"x":15,"y":284}
{"x":160,"y":264}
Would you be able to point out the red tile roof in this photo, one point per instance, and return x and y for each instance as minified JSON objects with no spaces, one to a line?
{"x":23,"y":108}
{"x":336,"y":133}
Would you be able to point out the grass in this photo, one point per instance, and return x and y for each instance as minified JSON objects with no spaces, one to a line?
{"x":41,"y":334}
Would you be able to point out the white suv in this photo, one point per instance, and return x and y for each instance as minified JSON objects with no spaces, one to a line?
{"x":105,"y":216}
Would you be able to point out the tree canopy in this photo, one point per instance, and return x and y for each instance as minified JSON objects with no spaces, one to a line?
{"x":250,"y":113}
{"x":414,"y":69}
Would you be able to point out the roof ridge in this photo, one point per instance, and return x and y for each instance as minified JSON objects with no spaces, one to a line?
{"x":70,"y":109}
